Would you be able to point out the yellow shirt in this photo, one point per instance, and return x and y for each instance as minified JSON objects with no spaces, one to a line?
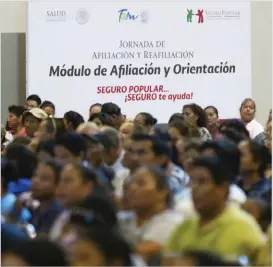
{"x":233,"y":233}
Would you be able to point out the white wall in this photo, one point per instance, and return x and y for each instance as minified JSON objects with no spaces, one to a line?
{"x":13,"y":19}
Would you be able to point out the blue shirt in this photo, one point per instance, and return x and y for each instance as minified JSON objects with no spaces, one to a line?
{"x":20,"y":186}
{"x":7,"y":208}
{"x":42,"y":221}
{"x":257,"y":190}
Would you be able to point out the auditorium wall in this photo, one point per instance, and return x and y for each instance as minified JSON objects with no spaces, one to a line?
{"x":12,"y":57}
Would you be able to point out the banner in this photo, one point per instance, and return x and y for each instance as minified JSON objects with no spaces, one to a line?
{"x":144,"y":56}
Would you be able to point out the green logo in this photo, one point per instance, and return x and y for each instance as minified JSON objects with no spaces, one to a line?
{"x":199,"y":16}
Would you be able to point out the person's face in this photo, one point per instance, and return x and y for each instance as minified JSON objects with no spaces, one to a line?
{"x":206,"y":195}
{"x":143,"y":190}
{"x":49,"y":111}
{"x":64,"y":155}
{"x":109,"y":155}
{"x":118,"y":120}
{"x":42,"y":133}
{"x":142,"y":153}
{"x":72,"y":188}
{"x":94,"y":154}
{"x":126,"y":131}
{"x":269,"y":135}
{"x":190,"y":155}
{"x":31,"y":125}
{"x":31,"y":104}
{"x":212,"y":117}
{"x":129,"y":161}
{"x":44,"y":182}
{"x":10,"y":259}
{"x":13,"y":121}
{"x":174,"y":134}
{"x":248,"y":111}
{"x":86,"y":253}
{"x":190,"y":116}
{"x":94,"y":110}
{"x":247,"y":163}
{"x":140,"y":119}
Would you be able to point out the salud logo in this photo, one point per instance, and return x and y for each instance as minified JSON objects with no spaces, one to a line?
{"x":198,"y":16}
{"x":126,"y":15}
{"x":82,"y":16}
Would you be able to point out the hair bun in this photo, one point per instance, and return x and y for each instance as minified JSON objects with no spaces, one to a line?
{"x":154,"y":121}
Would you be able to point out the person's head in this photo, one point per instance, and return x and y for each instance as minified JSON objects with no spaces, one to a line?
{"x":210,"y":181}
{"x":77,"y":181}
{"x":149,"y":189}
{"x":100,"y":245}
{"x":33,"y":101}
{"x":235,"y":125}
{"x":146,"y":120}
{"x":72,"y":120}
{"x":212,"y":116}
{"x":248,"y":110}
{"x":101,"y":119}
{"x":24,"y":160}
{"x":195,"y":115}
{"x":15,"y":116}
{"x":8,"y":174}
{"x":127,"y":129}
{"x":180,"y":129}
{"x":231,"y":134}
{"x":45,"y":180}
{"x":113,"y":112}
{"x":176,"y":117}
{"x":227,"y":151}
{"x":22,"y":140}
{"x":45,"y":150}
{"x":70,"y":147}
{"x":88,"y":128}
{"x":32,"y":119}
{"x":95,"y":108}
{"x":128,"y":160}
{"x":50,"y":128}
{"x":147,"y":149}
{"x":48,"y":107}
{"x":255,"y":158}
{"x":36,"y":252}
{"x":187,"y":152}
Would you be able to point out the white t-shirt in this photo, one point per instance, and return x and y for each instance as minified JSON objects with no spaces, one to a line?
{"x":158,"y":228}
{"x":254,"y":128}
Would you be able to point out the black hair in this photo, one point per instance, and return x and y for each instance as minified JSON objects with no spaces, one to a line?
{"x":73,"y":142}
{"x":55,"y":125}
{"x":233,"y":135}
{"x":206,"y":258}
{"x":159,"y":148}
{"x":46,"y":146}
{"x":176,"y":117}
{"x":98,"y":206}
{"x":149,"y":120}
{"x":261,"y":155}
{"x":228,"y":152}
{"x":25,"y":160}
{"x":35,"y":98}
{"x":215,"y":110}
{"x":103,"y":118}
{"x":8,"y":173}
{"x":110,"y":243}
{"x":111,"y":109}
{"x":16,"y":110}
{"x":40,"y":252}
{"x":235,"y":124}
{"x":185,"y":129}
{"x":74,"y":118}
{"x":46,"y":104}
{"x":95,"y":105}
{"x":217,"y":167}
{"x":198,"y":111}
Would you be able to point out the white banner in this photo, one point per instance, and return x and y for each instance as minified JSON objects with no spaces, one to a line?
{"x":143,"y":56}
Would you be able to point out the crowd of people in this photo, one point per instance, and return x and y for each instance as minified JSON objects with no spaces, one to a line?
{"x":118,"y":191}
